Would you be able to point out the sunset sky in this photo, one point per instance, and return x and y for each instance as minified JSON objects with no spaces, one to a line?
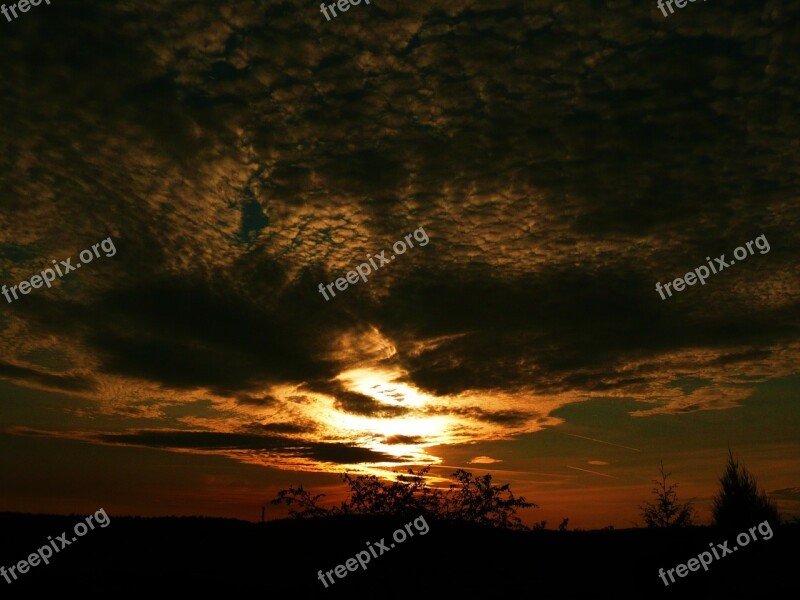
{"x":562,"y":158}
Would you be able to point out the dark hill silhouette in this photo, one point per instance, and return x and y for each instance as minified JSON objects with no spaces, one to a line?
{"x":135,"y":556}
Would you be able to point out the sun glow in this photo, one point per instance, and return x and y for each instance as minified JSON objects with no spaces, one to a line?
{"x":383,"y":387}
{"x":407,"y":434}
{"x":433,"y":429}
{"x":404,"y":436}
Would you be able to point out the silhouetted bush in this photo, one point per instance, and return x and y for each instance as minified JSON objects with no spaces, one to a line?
{"x":471,"y":499}
{"x":409,"y":494}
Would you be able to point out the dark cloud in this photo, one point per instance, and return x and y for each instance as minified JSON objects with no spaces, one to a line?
{"x":562,"y":329}
{"x":260,"y":401}
{"x":356,"y":403}
{"x":208,"y":440}
{"x":563,"y":157}
{"x":67,"y":383}
{"x":403,"y":439}
{"x":792,"y":494}
{"x":279,"y":428}
{"x":511,"y":418}
{"x":738,"y":357}
{"x":188,"y":333}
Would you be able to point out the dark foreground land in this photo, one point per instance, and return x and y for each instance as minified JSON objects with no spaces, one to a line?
{"x":198,"y":555}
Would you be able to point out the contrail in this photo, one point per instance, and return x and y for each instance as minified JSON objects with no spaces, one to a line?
{"x":592,"y":472}
{"x":602,"y":442}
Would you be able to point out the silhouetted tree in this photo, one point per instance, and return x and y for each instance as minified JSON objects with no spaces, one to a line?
{"x":739,"y":503}
{"x":409,"y":494}
{"x":563,"y":525}
{"x":666,"y":511}
{"x":471,"y":499}
{"x":476,"y":500}
{"x":300,"y":502}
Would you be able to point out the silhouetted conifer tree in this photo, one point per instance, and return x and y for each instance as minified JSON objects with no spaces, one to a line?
{"x":739,"y":504}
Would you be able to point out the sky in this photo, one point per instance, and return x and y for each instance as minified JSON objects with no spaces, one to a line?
{"x":550,"y":162}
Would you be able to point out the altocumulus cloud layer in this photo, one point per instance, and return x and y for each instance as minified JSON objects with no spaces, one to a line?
{"x":562,"y":157}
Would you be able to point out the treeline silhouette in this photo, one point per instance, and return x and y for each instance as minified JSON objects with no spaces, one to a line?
{"x":472,"y":499}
